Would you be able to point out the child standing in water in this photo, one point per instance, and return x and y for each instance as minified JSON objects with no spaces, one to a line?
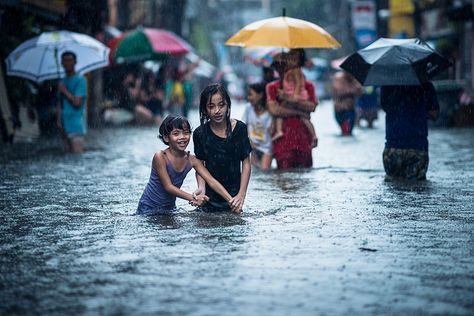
{"x":294,"y":88}
{"x":259,"y":125}
{"x":170,"y":167}
{"x":223,"y":145}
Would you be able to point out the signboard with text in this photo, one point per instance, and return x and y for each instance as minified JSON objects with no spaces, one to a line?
{"x":364,"y":22}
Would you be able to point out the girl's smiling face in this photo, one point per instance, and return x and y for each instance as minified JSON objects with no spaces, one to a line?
{"x":178,"y":139}
{"x":217,"y":108}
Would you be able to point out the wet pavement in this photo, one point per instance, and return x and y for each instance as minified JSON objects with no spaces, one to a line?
{"x":337,"y":239}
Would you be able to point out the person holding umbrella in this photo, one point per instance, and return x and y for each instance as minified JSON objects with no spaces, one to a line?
{"x":407,"y":109}
{"x":403,"y":67}
{"x":71,"y":110}
{"x":294,"y":148}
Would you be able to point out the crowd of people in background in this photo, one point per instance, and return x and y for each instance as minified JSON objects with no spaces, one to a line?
{"x":141,"y":96}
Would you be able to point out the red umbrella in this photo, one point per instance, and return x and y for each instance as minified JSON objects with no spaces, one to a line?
{"x":146,"y":44}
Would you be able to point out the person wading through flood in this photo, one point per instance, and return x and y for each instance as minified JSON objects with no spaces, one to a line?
{"x":293,"y":149}
{"x":169,"y":169}
{"x":71,"y":109}
{"x":407,"y":109}
{"x":222,"y":143}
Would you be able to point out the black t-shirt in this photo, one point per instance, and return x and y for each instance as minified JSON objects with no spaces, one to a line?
{"x":222,"y":158}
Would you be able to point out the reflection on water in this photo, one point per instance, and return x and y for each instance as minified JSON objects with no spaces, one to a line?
{"x":290,"y":181}
{"x":217,"y":219}
{"x":69,"y":242}
{"x":164,"y":221}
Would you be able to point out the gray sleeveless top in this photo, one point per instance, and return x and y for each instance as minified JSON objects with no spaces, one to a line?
{"x":155,"y":199}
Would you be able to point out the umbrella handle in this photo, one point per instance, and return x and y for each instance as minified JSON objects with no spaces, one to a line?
{"x":57,"y":69}
{"x":56,"y":59}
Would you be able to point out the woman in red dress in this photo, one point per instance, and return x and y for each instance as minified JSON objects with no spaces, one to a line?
{"x":293,"y":150}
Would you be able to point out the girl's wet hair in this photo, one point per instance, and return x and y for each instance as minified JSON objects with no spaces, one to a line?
{"x":206,"y":96}
{"x":172,"y":122}
{"x":259,"y":87}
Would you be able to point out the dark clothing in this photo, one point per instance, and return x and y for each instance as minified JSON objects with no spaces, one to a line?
{"x":410,"y":164}
{"x":346,"y":120}
{"x":125,"y":100}
{"x":155,"y":106}
{"x":367,"y":105}
{"x":406,"y":120}
{"x":223,"y":159}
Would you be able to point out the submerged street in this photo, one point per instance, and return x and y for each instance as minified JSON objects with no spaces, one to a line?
{"x":335,"y":239}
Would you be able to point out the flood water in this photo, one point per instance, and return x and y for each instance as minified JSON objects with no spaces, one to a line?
{"x":337,"y":239}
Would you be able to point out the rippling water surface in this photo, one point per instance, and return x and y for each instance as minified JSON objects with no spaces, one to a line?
{"x":335,"y":239}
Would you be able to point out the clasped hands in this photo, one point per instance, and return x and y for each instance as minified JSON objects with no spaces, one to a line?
{"x":199,"y":199}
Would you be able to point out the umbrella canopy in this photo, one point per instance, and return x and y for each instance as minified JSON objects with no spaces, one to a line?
{"x":146,"y":44}
{"x":283,"y":32}
{"x":395,"y":62}
{"x":38,"y":59}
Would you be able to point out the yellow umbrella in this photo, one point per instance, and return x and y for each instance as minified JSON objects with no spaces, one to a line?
{"x":283,"y":32}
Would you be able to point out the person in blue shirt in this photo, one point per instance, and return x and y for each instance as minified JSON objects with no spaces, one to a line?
{"x":408,"y":109}
{"x":71,"y":109}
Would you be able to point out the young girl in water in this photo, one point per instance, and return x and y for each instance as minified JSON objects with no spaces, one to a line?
{"x":259,"y":124}
{"x":223,"y":145}
{"x":170,"y":167}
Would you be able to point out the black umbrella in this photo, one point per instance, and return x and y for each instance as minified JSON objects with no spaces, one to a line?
{"x":395,"y":62}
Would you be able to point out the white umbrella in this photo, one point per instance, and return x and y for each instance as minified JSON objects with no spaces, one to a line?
{"x":38,"y":59}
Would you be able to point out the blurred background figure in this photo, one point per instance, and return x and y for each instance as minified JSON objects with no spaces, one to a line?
{"x":174,"y":93}
{"x":119,"y":109}
{"x":187,"y":71}
{"x":367,"y":106}
{"x":293,"y":149}
{"x":149,"y":107}
{"x":45,"y":104}
{"x":259,"y":125}
{"x":345,"y":90}
{"x":294,"y":88}
{"x":71,"y":106}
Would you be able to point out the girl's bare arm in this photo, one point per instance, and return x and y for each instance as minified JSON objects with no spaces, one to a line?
{"x":159,"y":162}
{"x":237,"y":202}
